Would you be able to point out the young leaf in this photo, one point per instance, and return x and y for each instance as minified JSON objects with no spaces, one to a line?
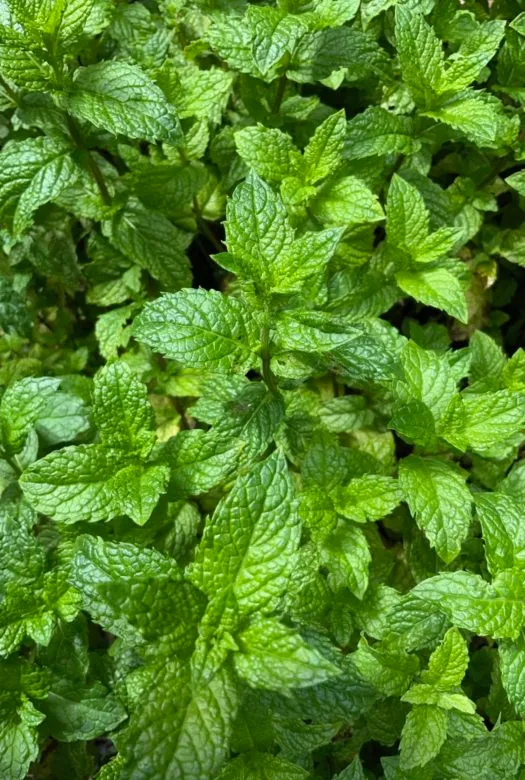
{"x":257,"y":227}
{"x":271,"y":153}
{"x":346,"y":201}
{"x":437,"y":287}
{"x":448,"y":663}
{"x":324,"y":152}
{"x":420,"y":55}
{"x":406,"y":215}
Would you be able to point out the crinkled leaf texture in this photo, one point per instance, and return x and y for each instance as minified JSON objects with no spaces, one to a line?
{"x":262,"y":390}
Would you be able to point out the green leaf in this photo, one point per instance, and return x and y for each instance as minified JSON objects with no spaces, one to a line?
{"x":512,"y":658}
{"x":424,"y":733}
{"x":353,"y":771}
{"x":247,"y":412}
{"x":439,"y":500}
{"x":388,"y":671}
{"x":247,"y":545}
{"x":476,"y":50}
{"x":32,"y":172}
{"x":274,"y":36}
{"x":346,"y":555}
{"x":437,"y":245}
{"x":113,"y":330}
{"x":420,"y":55}
{"x":308,"y":255}
{"x":502,"y":530}
{"x":14,"y":314}
{"x":257,"y":226}
{"x":196,"y":720}
{"x":415,"y":423}
{"x":36,"y":612}
{"x":349,"y":413}
{"x":197,"y":93}
{"x":448,"y":663}
{"x":324,"y":151}
{"x":429,"y":694}
{"x":201,"y":329}
{"x":332,"y":13}
{"x":406,"y":215}
{"x":436,"y":287}
{"x":429,"y":378}
{"x":488,"y":360}
{"x":319,"y":54}
{"x":261,"y":766}
{"x":19,"y":743}
{"x":200,"y":461}
{"x":121,"y":410}
{"x":306,"y":331}
{"x":22,"y":558}
{"x":275,"y":657}
{"x":137,"y":594}
{"x":517,"y":182}
{"x":150,"y":240}
{"x":346,"y":201}
{"x":479,"y":422}
{"x":94,"y":482}
{"x":261,"y":241}
{"x":368,"y":498}
{"x":37,"y":403}
{"x":479,"y":116}
{"x":79,"y":18}
{"x":80,"y":713}
{"x":493,"y":609}
{"x":377,"y":132}
{"x":271,"y":153}
{"x":119,"y":97}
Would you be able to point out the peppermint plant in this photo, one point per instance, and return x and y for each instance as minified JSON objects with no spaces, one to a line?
{"x":262,"y":390}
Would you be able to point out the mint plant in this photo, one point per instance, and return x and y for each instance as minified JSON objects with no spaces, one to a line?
{"x":262,"y":390}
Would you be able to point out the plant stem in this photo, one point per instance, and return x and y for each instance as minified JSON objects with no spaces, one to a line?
{"x":203,"y":227}
{"x":281,"y":87}
{"x":91,"y":163}
{"x":267,"y":372}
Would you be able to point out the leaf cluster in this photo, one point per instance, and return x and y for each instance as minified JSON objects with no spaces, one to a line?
{"x":262,"y":390}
